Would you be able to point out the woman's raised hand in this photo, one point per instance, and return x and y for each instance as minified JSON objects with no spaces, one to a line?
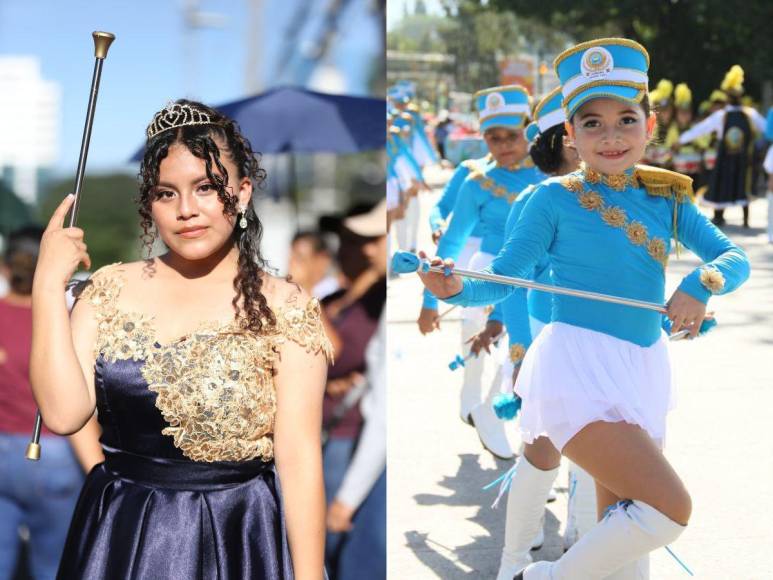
{"x":61,"y":250}
{"x":438,"y":283}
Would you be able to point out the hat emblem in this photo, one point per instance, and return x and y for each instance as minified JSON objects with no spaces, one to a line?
{"x":597,"y":62}
{"x":495,"y":101}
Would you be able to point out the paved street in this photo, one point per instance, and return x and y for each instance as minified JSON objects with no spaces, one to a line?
{"x":440,"y":521}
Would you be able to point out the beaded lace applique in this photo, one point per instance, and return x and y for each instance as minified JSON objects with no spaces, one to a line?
{"x":215,"y":385}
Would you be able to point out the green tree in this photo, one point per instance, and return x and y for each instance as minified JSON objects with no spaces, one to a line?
{"x":107,"y":214}
{"x":694,"y":41}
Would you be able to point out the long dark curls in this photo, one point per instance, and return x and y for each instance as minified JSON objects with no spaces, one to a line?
{"x":547,"y":150}
{"x":200,"y":141}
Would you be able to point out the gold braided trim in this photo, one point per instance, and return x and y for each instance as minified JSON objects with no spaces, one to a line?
{"x":712,"y":280}
{"x":642,"y":88}
{"x":503,"y":89}
{"x":491,"y":186}
{"x":616,"y":217}
{"x":600,"y":42}
{"x":523,"y":117}
{"x":517,"y":352}
{"x":635,"y":101}
{"x":664,"y":183}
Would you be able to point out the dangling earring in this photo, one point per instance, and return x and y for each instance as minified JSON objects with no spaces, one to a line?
{"x":243,"y":220}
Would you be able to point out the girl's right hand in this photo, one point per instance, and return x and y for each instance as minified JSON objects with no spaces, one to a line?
{"x":438,"y":283}
{"x":61,"y":250}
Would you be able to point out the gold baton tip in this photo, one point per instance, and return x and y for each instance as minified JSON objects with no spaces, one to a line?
{"x":102,"y":42}
{"x":33,"y":451}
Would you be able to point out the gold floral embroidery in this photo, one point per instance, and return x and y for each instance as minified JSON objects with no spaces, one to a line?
{"x":616,"y":182}
{"x":214,"y":386}
{"x":712,"y":280}
{"x":591,"y":200}
{"x":303,"y":325}
{"x":614,"y":216}
{"x":490,"y":185}
{"x":517,"y":352}
{"x":657,"y":249}
{"x":637,"y":233}
{"x":216,"y":393}
{"x":572,"y":183}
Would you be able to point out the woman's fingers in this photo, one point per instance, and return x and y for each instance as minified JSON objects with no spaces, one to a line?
{"x":57,"y":219}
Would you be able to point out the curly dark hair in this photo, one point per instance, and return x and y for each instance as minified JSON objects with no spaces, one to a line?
{"x":200,"y":140}
{"x":547,"y":149}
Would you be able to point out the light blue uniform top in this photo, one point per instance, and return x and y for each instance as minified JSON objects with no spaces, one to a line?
{"x":601,"y":239}
{"x":442,"y":209}
{"x":514,"y":312}
{"x":484,"y":198}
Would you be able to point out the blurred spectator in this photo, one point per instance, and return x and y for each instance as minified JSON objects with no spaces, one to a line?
{"x":310,"y":264}
{"x":355,"y":456}
{"x":39,"y":496}
{"x":442,"y":130}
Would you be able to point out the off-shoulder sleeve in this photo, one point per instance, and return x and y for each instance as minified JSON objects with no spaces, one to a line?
{"x":302,"y":324}
{"x":101,"y":290}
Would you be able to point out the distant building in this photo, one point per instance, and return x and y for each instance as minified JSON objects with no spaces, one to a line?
{"x":29,"y":140}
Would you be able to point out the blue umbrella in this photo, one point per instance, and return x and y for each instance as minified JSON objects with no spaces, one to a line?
{"x":296,"y":120}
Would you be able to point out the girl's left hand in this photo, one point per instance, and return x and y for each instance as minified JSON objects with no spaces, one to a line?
{"x":339,"y":517}
{"x":684,"y":311}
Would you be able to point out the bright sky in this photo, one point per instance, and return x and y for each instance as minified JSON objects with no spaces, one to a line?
{"x":146,"y":65}
{"x":396,"y":9}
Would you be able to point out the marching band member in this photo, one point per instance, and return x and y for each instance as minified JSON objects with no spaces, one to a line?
{"x":730,"y":183}
{"x":596,"y":382}
{"x":485,"y":198}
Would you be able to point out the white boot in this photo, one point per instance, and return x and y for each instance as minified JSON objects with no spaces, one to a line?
{"x":581,"y":512}
{"x":472,"y":390}
{"x":636,"y":570}
{"x":491,"y":430}
{"x":529,"y":489}
{"x":628,"y":532}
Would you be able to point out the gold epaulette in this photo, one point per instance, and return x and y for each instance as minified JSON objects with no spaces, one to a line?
{"x":394,"y":130}
{"x":412,"y":107}
{"x":406,"y":116}
{"x":665,"y":183}
{"x":469,"y":164}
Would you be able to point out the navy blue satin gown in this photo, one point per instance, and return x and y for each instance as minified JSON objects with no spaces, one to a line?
{"x":164,"y":504}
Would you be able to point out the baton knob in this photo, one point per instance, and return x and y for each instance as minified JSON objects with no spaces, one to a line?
{"x":33,"y":452}
{"x":102,"y":42}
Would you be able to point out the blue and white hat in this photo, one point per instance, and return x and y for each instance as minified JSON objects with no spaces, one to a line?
{"x":408,"y":88}
{"x":608,"y":67}
{"x":506,"y":107}
{"x":548,"y":113}
{"x":397,"y":94}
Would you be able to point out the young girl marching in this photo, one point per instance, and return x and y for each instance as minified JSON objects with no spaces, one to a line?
{"x":483,"y":201}
{"x":596,"y":382}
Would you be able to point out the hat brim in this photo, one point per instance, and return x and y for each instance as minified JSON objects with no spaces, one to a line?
{"x":512,"y":122}
{"x":630,"y":95}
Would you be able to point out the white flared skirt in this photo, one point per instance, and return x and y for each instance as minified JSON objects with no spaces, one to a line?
{"x":573,"y":376}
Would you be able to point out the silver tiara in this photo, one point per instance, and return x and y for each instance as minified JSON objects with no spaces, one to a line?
{"x":175,"y":115}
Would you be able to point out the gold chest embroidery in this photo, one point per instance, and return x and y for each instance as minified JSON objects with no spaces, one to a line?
{"x":614,"y":216}
{"x":215,"y":385}
{"x":491,"y":186}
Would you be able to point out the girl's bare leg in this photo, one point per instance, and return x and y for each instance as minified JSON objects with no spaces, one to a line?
{"x":625,"y":461}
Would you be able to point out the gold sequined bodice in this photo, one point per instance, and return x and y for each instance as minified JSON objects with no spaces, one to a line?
{"x":215,"y":385}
